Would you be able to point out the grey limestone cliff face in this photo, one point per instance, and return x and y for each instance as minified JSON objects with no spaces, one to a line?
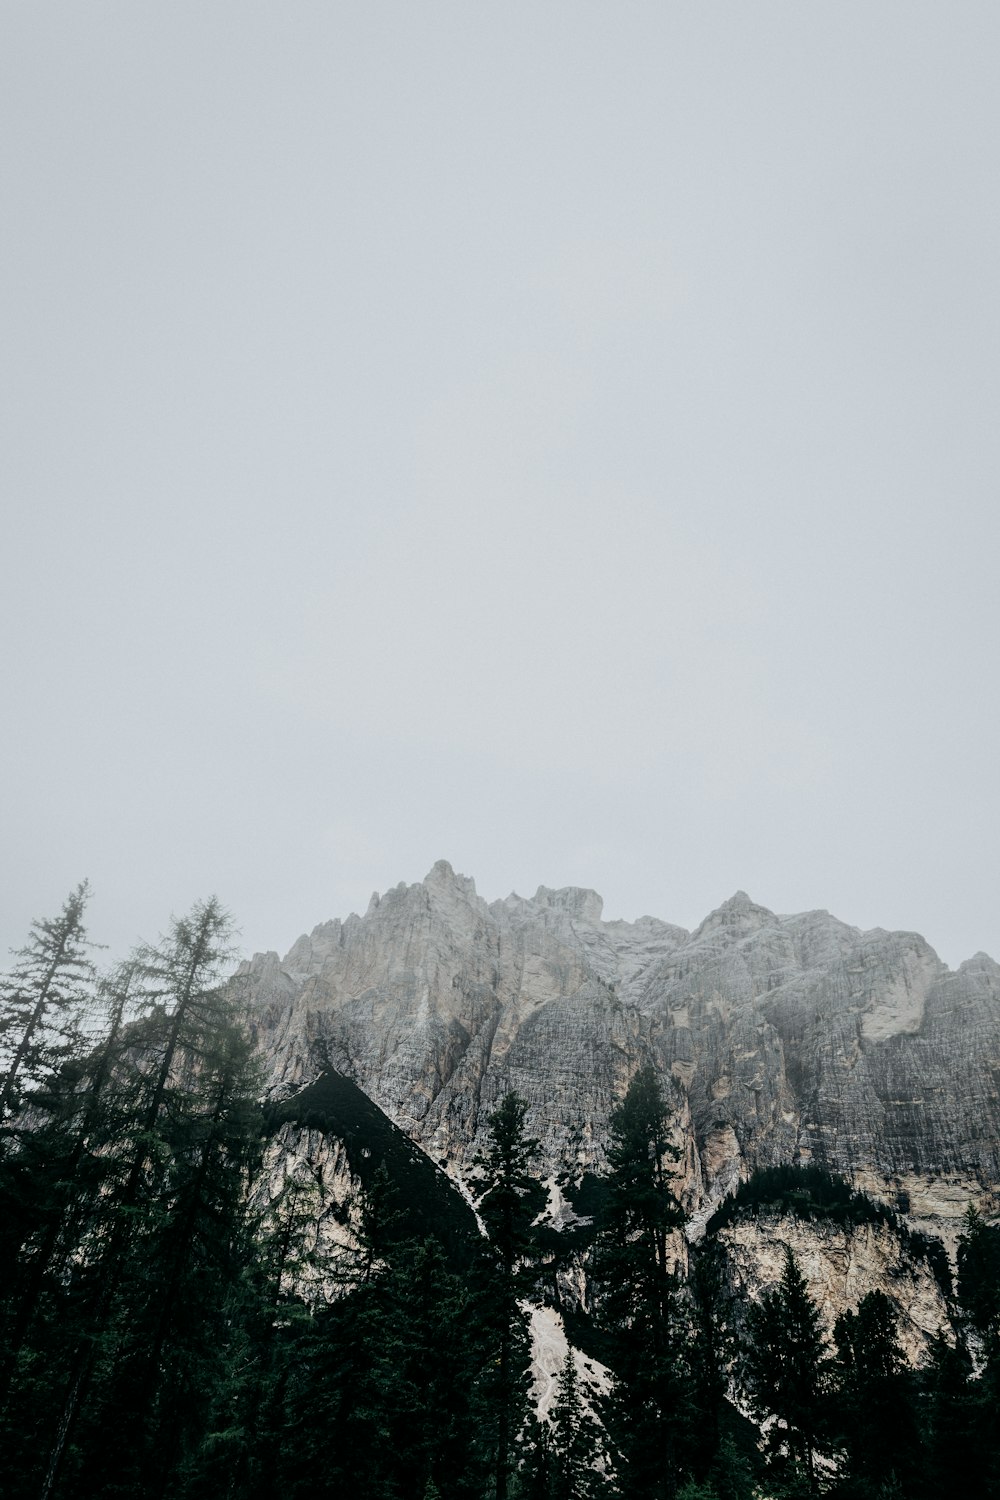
{"x":802,"y":1039}
{"x":841,"y":1265}
{"x":781,"y":1038}
{"x":436,"y":1004}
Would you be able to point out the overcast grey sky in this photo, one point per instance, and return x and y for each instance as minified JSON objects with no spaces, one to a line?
{"x":559,"y":438}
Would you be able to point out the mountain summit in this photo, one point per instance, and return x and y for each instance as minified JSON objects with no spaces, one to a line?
{"x":785,"y":1038}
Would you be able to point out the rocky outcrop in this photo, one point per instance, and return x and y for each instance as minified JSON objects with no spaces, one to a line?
{"x":780,"y":1038}
{"x":841,"y":1265}
{"x":307,"y":1181}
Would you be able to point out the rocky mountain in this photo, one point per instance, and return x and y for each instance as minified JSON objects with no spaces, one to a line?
{"x":782,"y":1038}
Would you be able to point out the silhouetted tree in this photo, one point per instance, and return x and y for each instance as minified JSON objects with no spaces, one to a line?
{"x":575,"y":1442}
{"x":164,"y":1221}
{"x":785,"y":1375}
{"x":43,"y":998}
{"x":873,"y":1404}
{"x":507,"y":1206}
{"x":649,"y":1407}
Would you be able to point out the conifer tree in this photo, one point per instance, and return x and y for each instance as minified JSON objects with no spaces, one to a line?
{"x":508,"y":1205}
{"x":378,"y":1227}
{"x":68,"y":1154}
{"x":712,"y":1353}
{"x":239,"y":1451}
{"x":179,"y":1319}
{"x":575,"y":1441}
{"x":43,"y":998}
{"x":955,"y":1462}
{"x":191,"y":1103}
{"x":44,"y":1001}
{"x":979,"y":1279}
{"x":872,"y":1399}
{"x":344,"y":1391}
{"x":964,"y":1379}
{"x":648,"y":1411}
{"x":440,"y":1353}
{"x":785,"y":1375}
{"x":381,"y":1391}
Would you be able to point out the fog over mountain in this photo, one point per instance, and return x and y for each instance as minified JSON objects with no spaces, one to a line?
{"x":559,"y":435}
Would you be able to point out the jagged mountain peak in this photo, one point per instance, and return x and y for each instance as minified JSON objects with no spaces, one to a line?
{"x":786,"y":1037}
{"x":781,"y":1039}
{"x":737,"y":917}
{"x":981,"y":963}
{"x":442,"y":876}
{"x":579,"y":903}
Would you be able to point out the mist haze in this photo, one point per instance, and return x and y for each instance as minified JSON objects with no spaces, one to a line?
{"x":560,"y":440}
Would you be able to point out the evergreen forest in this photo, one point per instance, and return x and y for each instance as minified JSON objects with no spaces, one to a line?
{"x":172,"y":1331}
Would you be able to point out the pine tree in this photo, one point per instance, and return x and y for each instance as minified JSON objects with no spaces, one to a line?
{"x":955,"y":1463}
{"x":965,"y":1383}
{"x":507,"y":1207}
{"x":239,"y":1451}
{"x":378,"y":1227}
{"x":648,"y":1412}
{"x":873,"y":1399}
{"x":440,"y":1353}
{"x":575,"y":1442}
{"x":643,"y":1211}
{"x":785,"y":1375}
{"x":979,"y":1279}
{"x":344,"y":1390}
{"x":382,"y":1386}
{"x":180,"y":1322}
{"x":711,"y":1355}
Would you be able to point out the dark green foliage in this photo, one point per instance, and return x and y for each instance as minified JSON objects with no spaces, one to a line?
{"x":175,"y":1241}
{"x":711,"y":1355}
{"x":979,"y":1277}
{"x":963,"y":1385}
{"x":592,"y":1335}
{"x":811,"y":1192}
{"x":508,"y":1205}
{"x":872,"y":1408}
{"x":148,"y":1142}
{"x":383,"y":1389}
{"x":42,"y":1001}
{"x":957,"y":1460}
{"x":734,"y":1471}
{"x":575,"y":1441}
{"x":641,"y":1211}
{"x":649,"y":1410}
{"x":426,"y":1201}
{"x":587,"y":1195}
{"x":784,"y":1375}
{"x":157,"y":1344}
{"x":510,"y":1199}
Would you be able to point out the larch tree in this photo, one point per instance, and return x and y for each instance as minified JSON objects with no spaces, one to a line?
{"x":69,"y":1154}
{"x":190,"y":1106}
{"x":43,"y":999}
